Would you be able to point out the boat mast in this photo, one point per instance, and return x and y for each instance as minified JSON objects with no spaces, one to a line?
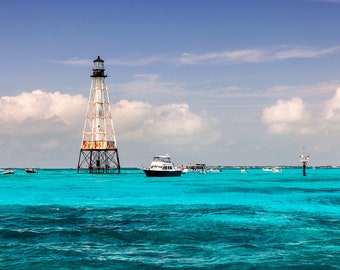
{"x":98,"y":151}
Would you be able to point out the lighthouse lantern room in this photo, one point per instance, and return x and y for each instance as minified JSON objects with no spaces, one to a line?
{"x":98,"y":151}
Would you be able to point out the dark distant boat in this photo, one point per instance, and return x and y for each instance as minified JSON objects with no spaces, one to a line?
{"x":161,"y":166}
{"x":8,"y":171}
{"x":31,"y":170}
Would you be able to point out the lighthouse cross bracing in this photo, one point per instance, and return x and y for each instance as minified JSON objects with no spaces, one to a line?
{"x":99,"y":151}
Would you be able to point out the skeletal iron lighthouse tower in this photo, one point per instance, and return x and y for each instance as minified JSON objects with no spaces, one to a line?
{"x":98,"y":151}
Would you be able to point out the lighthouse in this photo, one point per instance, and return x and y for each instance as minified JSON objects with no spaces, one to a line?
{"x":98,"y":150}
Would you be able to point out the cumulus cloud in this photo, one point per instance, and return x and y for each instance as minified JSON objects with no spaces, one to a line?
{"x":282,"y":116}
{"x":168,"y":124}
{"x":40,"y":105}
{"x":332,"y":106}
{"x":52,"y":118}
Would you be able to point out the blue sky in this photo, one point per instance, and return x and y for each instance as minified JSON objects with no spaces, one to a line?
{"x":234,"y":82}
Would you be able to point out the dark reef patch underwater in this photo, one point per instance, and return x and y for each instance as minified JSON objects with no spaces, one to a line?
{"x":57,"y":219}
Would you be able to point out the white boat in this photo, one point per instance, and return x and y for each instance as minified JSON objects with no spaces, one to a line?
{"x":185,"y":170}
{"x":211,"y":170}
{"x":161,"y":166}
{"x":203,"y":171}
{"x":244,"y":170}
{"x":267,"y":169}
{"x":276,"y":170}
{"x":8,"y":171}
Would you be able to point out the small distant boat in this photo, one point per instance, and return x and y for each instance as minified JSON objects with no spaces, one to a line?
{"x":276,"y":170}
{"x":211,"y":170}
{"x":244,"y":170}
{"x":161,"y":166}
{"x":31,"y":170}
{"x":267,"y":169}
{"x":8,"y":171}
{"x":185,"y":170}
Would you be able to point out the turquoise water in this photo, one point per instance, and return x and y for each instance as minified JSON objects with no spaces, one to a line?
{"x":58,"y":219}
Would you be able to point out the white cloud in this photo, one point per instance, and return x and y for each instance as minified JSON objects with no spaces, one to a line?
{"x":292,"y":115}
{"x":145,"y":84}
{"x":254,"y":55}
{"x":282,"y":116}
{"x":287,"y":52}
{"x":221,"y":57}
{"x":41,"y":111}
{"x":150,"y":87}
{"x":76,"y":61}
{"x":168,"y":124}
{"x":136,"y":62}
{"x":40,"y":105}
{"x":250,"y":55}
{"x":116,"y":62}
{"x":332,"y":106}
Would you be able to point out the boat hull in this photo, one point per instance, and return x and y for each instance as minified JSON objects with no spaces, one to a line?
{"x":31,"y":171}
{"x":154,"y":173}
{"x":8,"y":172}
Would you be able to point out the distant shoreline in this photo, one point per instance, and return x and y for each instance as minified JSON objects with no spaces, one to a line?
{"x":208,"y":166}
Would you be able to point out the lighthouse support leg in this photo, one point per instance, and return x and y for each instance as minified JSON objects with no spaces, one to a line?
{"x":98,"y":161}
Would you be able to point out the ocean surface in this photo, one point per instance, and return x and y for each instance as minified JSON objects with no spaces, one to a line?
{"x":58,"y":219}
